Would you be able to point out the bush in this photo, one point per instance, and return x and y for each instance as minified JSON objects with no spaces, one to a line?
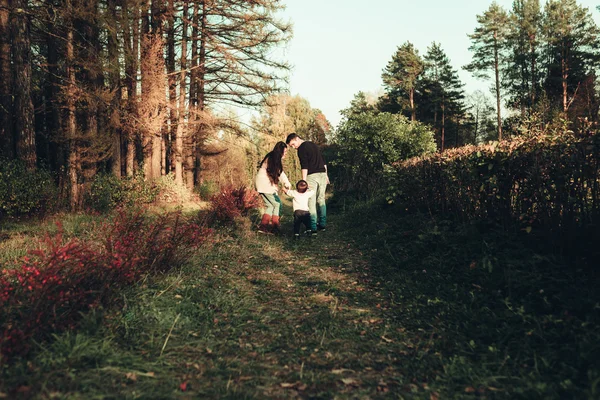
{"x":538,"y":182}
{"x":108,"y":192}
{"x":368,"y":141}
{"x":171,"y":192}
{"x":232,"y":203}
{"x":54,"y":285}
{"x":23,"y":191}
{"x":207,"y":189}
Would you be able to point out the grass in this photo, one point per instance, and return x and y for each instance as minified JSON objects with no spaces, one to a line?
{"x":375,"y":307}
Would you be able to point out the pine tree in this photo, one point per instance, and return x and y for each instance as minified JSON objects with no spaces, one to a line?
{"x":400,"y":77}
{"x":441,"y":92}
{"x":571,"y":40}
{"x":524,"y":42}
{"x":22,"y":74}
{"x":488,"y":45}
{"x":6,"y":131}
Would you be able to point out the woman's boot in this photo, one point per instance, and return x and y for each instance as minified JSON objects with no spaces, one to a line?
{"x":264,"y":224}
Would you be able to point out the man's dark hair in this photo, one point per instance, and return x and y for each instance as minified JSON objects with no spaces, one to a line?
{"x":291,"y":137}
{"x":301,"y":186}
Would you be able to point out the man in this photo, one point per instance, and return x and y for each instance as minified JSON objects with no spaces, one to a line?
{"x":314,"y":171}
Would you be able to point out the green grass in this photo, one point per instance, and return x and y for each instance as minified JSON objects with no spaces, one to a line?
{"x":381,"y":305}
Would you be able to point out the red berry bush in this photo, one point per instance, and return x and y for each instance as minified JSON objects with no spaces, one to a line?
{"x":55,"y":284}
{"x":233,"y":202}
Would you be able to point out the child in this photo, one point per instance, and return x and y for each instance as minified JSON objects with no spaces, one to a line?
{"x":300,"y":198}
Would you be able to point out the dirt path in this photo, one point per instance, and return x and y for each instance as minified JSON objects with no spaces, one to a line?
{"x":319,"y":328}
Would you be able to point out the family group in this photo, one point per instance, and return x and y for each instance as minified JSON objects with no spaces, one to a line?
{"x":308,"y":197}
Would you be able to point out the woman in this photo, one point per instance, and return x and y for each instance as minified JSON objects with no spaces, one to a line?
{"x":270,"y":173}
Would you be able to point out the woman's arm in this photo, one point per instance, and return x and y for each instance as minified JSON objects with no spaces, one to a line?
{"x":284,"y":179}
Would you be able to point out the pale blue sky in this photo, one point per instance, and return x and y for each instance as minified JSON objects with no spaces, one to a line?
{"x":340,"y":47}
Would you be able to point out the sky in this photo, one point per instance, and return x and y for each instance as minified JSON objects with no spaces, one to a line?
{"x":340,"y":47}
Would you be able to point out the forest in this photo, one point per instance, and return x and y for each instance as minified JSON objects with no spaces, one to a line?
{"x":460,"y":255}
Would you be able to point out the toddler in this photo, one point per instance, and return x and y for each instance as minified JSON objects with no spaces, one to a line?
{"x":300,"y":198}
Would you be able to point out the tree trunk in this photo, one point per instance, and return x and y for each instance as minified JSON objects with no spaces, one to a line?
{"x":73,"y":166}
{"x":131,"y":38}
{"x":532,"y":89}
{"x":179,"y":133}
{"x":172,"y":82}
{"x":51,"y":90}
{"x":146,"y":131}
{"x":200,"y":63}
{"x":23,"y":106}
{"x":115,"y":88}
{"x":157,"y":139}
{"x":413,"y":111}
{"x":443,"y":125}
{"x":7,"y":147}
{"x":497,"y":73}
{"x":564,"y":76}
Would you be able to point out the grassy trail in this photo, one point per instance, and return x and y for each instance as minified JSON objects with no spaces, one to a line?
{"x":306,"y":322}
{"x":375,"y":307}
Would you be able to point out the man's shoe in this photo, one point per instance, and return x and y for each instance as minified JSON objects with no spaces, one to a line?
{"x":320,"y":228}
{"x":296,"y":236}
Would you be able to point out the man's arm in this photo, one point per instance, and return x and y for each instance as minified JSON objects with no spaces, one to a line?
{"x":327,"y":175}
{"x":304,"y":174}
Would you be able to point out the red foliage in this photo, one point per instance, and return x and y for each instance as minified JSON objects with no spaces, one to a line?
{"x":55,"y":284}
{"x":233,"y":202}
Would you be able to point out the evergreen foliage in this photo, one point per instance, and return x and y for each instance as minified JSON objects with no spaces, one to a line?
{"x":400,"y":77}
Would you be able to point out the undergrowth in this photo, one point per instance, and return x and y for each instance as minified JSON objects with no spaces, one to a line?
{"x":383,"y":304}
{"x":508,"y":316}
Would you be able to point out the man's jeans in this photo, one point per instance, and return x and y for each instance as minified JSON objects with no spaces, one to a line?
{"x":316,"y":204}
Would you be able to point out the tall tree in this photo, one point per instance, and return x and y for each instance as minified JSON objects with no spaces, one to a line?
{"x":523,"y":41}
{"x":441,"y":91}
{"x":571,"y":39}
{"x":21,"y":62}
{"x":488,"y":43}
{"x":481,"y":117}
{"x":114,"y":77}
{"x":181,"y":110}
{"x":401,"y":74}
{"x":6,"y":131}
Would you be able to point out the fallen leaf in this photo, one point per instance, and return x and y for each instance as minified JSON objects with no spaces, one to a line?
{"x":287,"y":385}
{"x":469,"y":389}
{"x":386,"y":339}
{"x":340,"y":371}
{"x":434,"y":396}
{"x":178,"y":296}
{"x":350,"y":381}
{"x":131,"y":376}
{"x":183,"y":386}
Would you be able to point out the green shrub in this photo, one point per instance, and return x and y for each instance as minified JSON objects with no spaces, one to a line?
{"x":207,"y":189}
{"x":23,"y":191}
{"x":108,"y":192}
{"x":368,"y":141}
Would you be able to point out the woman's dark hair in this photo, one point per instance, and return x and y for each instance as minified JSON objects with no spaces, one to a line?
{"x":274,"y":165}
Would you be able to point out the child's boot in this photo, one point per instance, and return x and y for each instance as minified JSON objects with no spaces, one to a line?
{"x":275,"y":227}
{"x":264,"y":224}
